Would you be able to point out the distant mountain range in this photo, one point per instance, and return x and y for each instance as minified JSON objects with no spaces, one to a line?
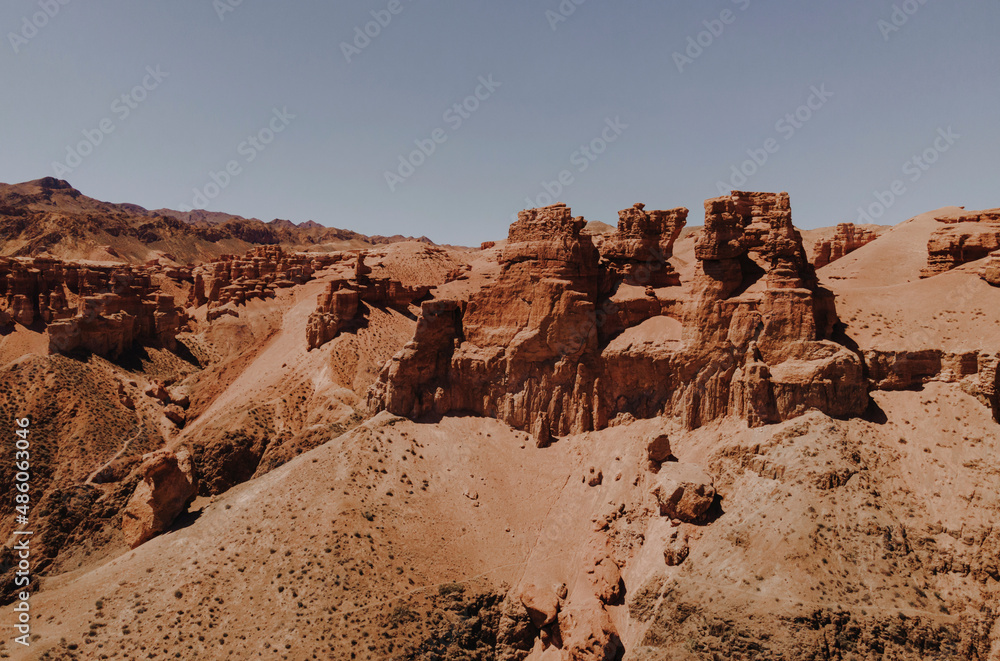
{"x":49,"y":216}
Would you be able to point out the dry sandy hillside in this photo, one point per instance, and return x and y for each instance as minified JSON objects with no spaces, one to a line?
{"x":401,"y":540}
{"x":886,"y":303}
{"x":553,"y":454}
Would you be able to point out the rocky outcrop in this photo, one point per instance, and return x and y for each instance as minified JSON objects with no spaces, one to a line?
{"x":530,"y":341}
{"x":336,"y":308}
{"x":849,"y":237}
{"x":339,"y":306}
{"x":540,"y":348}
{"x":962,"y":239}
{"x":587,"y":631}
{"x":676,"y":548}
{"x":255,"y":276}
{"x":167,"y":485}
{"x":975,"y":371}
{"x":102,"y":309}
{"x":639,"y":252}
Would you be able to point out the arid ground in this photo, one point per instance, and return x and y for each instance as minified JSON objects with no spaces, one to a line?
{"x":672,"y":437}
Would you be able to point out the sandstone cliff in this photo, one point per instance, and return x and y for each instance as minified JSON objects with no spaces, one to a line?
{"x":561,"y":343}
{"x":103,"y":309}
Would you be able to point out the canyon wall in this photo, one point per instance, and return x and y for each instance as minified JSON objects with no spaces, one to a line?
{"x":569,"y":338}
{"x":103,"y":309}
{"x":255,"y":276}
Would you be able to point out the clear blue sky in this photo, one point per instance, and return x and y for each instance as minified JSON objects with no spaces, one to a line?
{"x":891,"y":93}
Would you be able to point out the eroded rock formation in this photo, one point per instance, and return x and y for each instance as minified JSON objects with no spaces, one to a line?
{"x":639,"y":251}
{"x":168,"y":485}
{"x":339,"y":306}
{"x":962,"y":239}
{"x":254,"y":276}
{"x":102,"y":309}
{"x":546,"y":349}
{"x":849,"y":237}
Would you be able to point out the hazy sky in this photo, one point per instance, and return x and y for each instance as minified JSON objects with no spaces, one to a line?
{"x":649,"y":101}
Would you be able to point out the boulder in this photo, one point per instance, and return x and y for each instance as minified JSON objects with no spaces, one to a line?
{"x":541,"y":604}
{"x":167,"y":485}
{"x":605,"y":579}
{"x":181,"y":396}
{"x":658,"y":449}
{"x":684,"y":492}
{"x":158,"y":391}
{"x":175,"y":414}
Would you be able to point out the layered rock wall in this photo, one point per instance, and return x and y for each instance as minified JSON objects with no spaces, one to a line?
{"x":849,"y":237}
{"x":102,"y":309}
{"x":255,"y":276}
{"x":536,"y":349}
{"x":962,"y":239}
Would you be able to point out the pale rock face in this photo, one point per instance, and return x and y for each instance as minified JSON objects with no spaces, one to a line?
{"x":168,"y":484}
